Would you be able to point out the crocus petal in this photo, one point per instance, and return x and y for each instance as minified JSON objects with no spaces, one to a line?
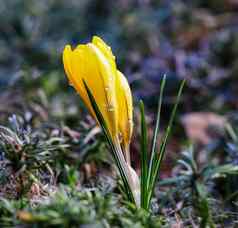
{"x":106,"y":50}
{"x":125,"y":105}
{"x":75,"y":74}
{"x":88,"y":63}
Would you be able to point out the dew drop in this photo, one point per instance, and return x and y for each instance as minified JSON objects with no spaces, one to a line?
{"x":110,"y":108}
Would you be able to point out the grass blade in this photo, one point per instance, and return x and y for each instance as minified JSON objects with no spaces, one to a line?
{"x":144,"y":157}
{"x":157,"y":160}
{"x":156,"y":131}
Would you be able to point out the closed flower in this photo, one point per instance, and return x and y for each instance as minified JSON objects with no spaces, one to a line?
{"x":95,"y":64}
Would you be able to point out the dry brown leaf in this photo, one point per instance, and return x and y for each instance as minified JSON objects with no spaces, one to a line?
{"x":197,"y":125}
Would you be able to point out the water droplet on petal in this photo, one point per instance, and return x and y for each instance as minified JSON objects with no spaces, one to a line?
{"x":110,"y":108}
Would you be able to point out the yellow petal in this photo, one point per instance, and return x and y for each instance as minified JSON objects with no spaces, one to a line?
{"x":125,"y":105}
{"x":75,"y":75}
{"x":88,"y":63}
{"x":106,"y":50}
{"x":104,"y":86}
{"x":66,"y":61}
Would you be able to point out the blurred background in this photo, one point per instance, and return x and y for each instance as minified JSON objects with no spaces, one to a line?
{"x":47,"y":134}
{"x":196,"y":40}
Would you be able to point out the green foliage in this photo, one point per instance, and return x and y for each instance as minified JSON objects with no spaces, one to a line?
{"x":193,"y":184}
{"x":26,"y":150}
{"x":150,"y":167}
{"x":45,"y":154}
{"x":69,"y":207}
{"x":8,"y":211}
{"x":27,"y":154}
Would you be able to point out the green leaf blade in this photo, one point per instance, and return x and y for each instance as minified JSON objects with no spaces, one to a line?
{"x":156,"y":131}
{"x":157,"y":160}
{"x":144,"y":157}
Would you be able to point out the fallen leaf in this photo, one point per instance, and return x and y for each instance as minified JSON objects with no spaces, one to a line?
{"x":198,"y":124}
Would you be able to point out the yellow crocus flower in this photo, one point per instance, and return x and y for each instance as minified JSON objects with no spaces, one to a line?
{"x":94,"y":63}
{"x":125,"y":106}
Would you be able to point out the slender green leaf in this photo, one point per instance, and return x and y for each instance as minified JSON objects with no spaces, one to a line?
{"x":157,"y":160}
{"x":144,"y":157}
{"x":156,"y":131}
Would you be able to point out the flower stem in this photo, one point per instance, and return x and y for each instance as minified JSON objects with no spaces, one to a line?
{"x":130,"y":174}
